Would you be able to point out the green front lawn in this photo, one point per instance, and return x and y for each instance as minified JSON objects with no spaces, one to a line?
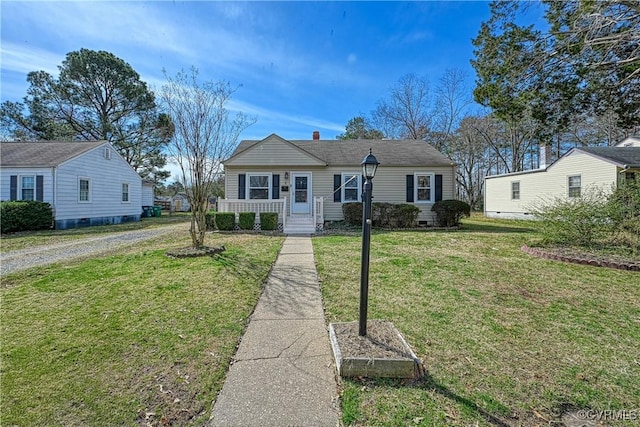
{"x":506,"y":338}
{"x":128,"y":339}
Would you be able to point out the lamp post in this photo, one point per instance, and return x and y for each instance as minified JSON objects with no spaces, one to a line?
{"x":369,"y":166}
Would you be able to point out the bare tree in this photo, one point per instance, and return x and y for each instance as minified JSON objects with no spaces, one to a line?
{"x":452,"y":98}
{"x":205,"y":134}
{"x":407,"y":113}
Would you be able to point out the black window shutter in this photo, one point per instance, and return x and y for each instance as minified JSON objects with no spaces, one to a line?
{"x":337,"y":181}
{"x":275,"y":183}
{"x":409,"y":188}
{"x":13,"y":187}
{"x":241,"y":185}
{"x":39,"y":188}
{"x":438,"y":188}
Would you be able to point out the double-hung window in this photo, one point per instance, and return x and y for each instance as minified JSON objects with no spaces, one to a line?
{"x":424,"y":187}
{"x":84,"y":190}
{"x":575,"y":183}
{"x":125,"y":192}
{"x":351,"y":186}
{"x":27,"y":187}
{"x":515,"y":190}
{"x":259,"y":187}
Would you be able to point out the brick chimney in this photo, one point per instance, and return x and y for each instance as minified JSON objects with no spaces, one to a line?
{"x":316,"y":135}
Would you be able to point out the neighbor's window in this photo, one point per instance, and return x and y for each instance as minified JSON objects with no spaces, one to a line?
{"x":259,"y":186}
{"x":84,"y":190}
{"x":575,"y":182}
{"x":515,"y":190}
{"x":630,"y":176}
{"x":27,"y":188}
{"x":351,"y":187}
{"x":125,"y":192}
{"x":424,"y":183}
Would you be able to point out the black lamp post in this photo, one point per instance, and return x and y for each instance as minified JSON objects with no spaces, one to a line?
{"x":369,"y":166}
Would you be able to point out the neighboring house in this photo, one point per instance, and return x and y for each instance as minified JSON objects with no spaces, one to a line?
{"x":86,"y":183}
{"x":148,"y":193}
{"x":513,"y":195}
{"x":308,"y":181}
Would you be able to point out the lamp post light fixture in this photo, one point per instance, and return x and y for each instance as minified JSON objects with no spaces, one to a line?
{"x":369,"y":167}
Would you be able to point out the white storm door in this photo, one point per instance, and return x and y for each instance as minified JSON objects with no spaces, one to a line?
{"x":301,"y":193}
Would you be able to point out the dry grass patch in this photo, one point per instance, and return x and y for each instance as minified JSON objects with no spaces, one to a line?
{"x":133,"y":338}
{"x":507,"y":339}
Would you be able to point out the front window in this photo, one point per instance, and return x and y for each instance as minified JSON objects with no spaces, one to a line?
{"x":259,"y":187}
{"x":84,"y":190}
{"x":28,"y":188}
{"x":351,"y":187}
{"x":515,"y":190}
{"x":424,"y":187}
{"x":125,"y":192}
{"x":575,"y":182}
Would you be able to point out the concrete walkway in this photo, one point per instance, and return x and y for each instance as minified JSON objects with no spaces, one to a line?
{"x":283,"y":373}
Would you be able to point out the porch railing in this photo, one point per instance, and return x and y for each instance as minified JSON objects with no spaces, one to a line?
{"x":276,"y":205}
{"x":258,"y":206}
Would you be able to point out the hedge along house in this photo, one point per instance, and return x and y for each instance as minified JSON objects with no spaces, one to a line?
{"x":514,"y":195}
{"x":307,"y":181}
{"x":86,"y":183}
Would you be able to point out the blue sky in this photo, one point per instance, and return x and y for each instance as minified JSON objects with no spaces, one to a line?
{"x":303,"y":66}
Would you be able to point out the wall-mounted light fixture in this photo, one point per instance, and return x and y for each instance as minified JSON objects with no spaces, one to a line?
{"x":286,"y":175}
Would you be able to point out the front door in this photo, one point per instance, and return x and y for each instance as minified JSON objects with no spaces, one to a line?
{"x":301,"y":193}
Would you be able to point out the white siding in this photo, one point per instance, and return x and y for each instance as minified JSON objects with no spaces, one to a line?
{"x":107,"y":177}
{"x":5,"y":183}
{"x":147,"y":195}
{"x":540,"y":186}
{"x":275,"y":152}
{"x":389,"y":185}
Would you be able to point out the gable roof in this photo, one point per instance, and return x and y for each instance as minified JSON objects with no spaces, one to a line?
{"x":42,"y":154}
{"x":621,"y":156}
{"x":351,"y":152}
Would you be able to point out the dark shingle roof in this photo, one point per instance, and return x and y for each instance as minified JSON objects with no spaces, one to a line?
{"x":624,"y":156}
{"x":352,"y":152}
{"x":42,"y":154}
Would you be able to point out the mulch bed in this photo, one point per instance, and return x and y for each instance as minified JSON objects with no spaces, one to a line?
{"x":381,"y":342}
{"x":582,"y":257}
{"x":190,"y":252}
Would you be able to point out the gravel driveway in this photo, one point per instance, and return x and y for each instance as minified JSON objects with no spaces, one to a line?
{"x":13,"y":261}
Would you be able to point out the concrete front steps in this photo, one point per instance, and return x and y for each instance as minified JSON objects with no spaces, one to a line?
{"x":300,"y":225}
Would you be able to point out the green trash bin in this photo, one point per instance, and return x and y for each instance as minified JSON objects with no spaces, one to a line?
{"x":157,"y":210}
{"x":147,"y":211}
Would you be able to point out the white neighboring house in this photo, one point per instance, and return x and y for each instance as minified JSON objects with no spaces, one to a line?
{"x":513,"y":195}
{"x":86,"y":183}
{"x":148,"y":193}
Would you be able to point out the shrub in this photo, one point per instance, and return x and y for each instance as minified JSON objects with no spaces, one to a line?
{"x":383,"y":215}
{"x":450,"y":212}
{"x":581,"y":221}
{"x":268,"y":221}
{"x":225,"y":220}
{"x":406,"y":215}
{"x":352,"y":213}
{"x":25,"y":216}
{"x":210,"y":220}
{"x":247,"y":220}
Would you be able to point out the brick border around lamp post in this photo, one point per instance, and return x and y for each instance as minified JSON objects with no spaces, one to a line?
{"x":369,"y":167}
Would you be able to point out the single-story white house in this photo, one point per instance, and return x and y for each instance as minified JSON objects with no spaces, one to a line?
{"x":86,"y":183}
{"x":307,"y":181}
{"x":513,"y":195}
